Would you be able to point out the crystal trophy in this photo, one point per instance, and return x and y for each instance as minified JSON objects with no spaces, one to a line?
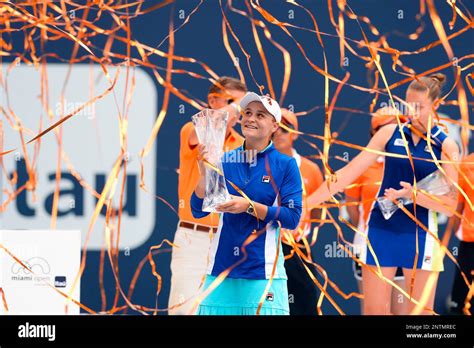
{"x":434,"y":184}
{"x":211,"y":128}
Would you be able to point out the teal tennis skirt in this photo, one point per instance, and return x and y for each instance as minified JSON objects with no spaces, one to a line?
{"x":242,"y":297}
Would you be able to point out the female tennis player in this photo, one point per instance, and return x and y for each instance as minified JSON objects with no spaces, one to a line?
{"x":363,"y":192}
{"x":401,"y":240}
{"x":272,"y":183}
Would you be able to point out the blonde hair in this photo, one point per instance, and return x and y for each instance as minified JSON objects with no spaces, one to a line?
{"x":433,"y":83}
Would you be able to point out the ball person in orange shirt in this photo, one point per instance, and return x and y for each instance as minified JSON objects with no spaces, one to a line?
{"x":193,"y":237}
{"x":302,"y":292}
{"x":465,"y":234}
{"x":363,"y":193}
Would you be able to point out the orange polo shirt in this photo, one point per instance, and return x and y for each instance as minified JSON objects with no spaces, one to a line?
{"x":189,"y":174}
{"x":466,"y":232}
{"x":312,"y":178}
{"x":366,"y":187}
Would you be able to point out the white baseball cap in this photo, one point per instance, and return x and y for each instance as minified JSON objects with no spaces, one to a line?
{"x":271,"y":105}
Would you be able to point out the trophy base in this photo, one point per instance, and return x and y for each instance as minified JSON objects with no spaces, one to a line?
{"x":209,"y":205}
{"x":388,"y":208}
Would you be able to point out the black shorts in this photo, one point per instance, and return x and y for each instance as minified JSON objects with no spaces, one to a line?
{"x":460,"y":289}
{"x":302,"y":292}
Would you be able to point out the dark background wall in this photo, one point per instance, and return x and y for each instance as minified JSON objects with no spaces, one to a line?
{"x":201,"y":39}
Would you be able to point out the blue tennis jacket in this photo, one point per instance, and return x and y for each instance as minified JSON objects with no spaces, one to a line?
{"x":273,"y":179}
